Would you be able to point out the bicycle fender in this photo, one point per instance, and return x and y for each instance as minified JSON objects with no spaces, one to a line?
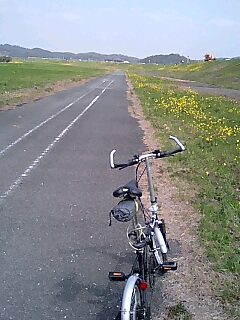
{"x":160,"y":239}
{"x":127,"y":295}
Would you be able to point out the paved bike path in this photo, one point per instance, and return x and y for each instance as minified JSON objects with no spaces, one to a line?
{"x":204,"y":88}
{"x":56,"y":247}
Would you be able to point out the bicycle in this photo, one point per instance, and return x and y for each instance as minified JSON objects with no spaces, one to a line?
{"x":148,"y":239}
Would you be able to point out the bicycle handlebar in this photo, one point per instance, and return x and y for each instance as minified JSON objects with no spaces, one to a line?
{"x":156,"y":154}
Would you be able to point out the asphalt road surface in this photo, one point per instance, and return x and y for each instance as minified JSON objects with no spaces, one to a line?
{"x":56,"y":247}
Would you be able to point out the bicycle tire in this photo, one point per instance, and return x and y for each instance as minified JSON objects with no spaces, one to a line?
{"x":132,"y":307}
{"x":149,"y":278}
{"x":152,"y":265}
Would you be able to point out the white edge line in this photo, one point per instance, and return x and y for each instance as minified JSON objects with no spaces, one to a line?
{"x":43,"y":122}
{"x":27,"y":171}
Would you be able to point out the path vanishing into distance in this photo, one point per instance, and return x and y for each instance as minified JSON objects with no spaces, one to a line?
{"x":56,"y":246}
{"x":206,"y":89}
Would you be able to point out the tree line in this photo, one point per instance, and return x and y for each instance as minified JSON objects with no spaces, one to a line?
{"x":5,"y":59}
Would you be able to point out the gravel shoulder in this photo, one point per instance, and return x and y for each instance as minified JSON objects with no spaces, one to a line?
{"x":189,"y":288}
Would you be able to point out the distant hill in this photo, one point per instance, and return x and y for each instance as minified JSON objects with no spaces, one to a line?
{"x":20,"y":52}
{"x":165,"y":59}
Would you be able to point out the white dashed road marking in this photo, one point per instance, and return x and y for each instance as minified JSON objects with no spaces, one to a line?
{"x":42,"y":123}
{"x":28,"y":170}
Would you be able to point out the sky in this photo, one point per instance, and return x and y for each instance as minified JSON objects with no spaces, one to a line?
{"x":138,"y":28}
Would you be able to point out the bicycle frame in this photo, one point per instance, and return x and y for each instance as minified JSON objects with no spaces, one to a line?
{"x":154,"y":210}
{"x":136,"y":275}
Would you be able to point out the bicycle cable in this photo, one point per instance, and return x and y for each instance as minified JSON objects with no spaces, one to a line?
{"x":139,"y":240}
{"x":138,"y":179}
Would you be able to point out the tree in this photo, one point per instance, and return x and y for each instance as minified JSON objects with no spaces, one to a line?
{"x":5,"y":59}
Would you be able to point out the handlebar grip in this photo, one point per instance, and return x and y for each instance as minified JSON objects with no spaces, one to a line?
{"x":112,"y":165}
{"x":178,"y":142}
{"x":119,"y":165}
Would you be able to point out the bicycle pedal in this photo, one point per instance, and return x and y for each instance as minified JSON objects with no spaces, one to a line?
{"x":117,"y":276}
{"x":169,"y":266}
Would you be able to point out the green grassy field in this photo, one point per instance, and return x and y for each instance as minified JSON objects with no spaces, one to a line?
{"x":210,"y":128}
{"x":21,"y":75}
{"x":219,"y":73}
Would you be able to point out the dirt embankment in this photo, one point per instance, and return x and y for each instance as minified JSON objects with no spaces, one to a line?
{"x":187,"y":293}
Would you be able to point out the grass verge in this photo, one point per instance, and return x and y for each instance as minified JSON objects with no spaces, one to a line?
{"x":210,"y":128}
{"x":178,"y":312}
{"x":224,"y":74}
